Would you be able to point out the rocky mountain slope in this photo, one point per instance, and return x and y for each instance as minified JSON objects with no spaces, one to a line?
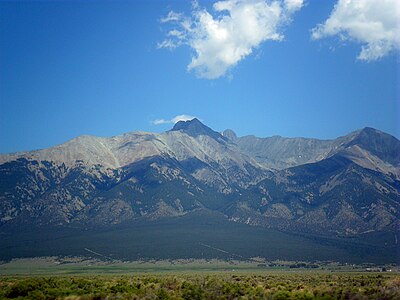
{"x":346,"y":186}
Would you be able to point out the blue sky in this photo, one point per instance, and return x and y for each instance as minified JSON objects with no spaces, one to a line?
{"x":100,"y":68}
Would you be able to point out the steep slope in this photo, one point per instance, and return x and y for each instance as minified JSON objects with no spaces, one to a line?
{"x":378,"y":143}
{"x":374,"y":150}
{"x":333,"y":196}
{"x":43,"y":192}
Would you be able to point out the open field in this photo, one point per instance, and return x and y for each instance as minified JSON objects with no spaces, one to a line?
{"x":47,"y":266}
{"x":55,"y":265}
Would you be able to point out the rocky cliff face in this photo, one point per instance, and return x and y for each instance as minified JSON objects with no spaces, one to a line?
{"x":345,"y":186}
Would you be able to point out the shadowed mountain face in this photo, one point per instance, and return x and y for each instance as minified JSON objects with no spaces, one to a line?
{"x":349,"y":186}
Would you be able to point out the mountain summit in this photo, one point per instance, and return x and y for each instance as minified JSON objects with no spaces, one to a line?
{"x":195,"y":128}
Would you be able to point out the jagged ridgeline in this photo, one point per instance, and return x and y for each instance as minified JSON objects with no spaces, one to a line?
{"x":168,"y":194}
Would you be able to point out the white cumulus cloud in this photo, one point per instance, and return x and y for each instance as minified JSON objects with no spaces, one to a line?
{"x":222,"y":39}
{"x":373,"y":23}
{"x":293,"y":5}
{"x":173,"y":120}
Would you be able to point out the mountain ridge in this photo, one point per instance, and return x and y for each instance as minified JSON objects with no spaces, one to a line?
{"x":341,"y":187}
{"x":177,"y":127}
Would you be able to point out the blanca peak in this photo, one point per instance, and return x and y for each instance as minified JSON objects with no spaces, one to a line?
{"x":195,"y":128}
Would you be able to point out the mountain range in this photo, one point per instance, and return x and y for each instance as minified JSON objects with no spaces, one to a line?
{"x":341,"y":193}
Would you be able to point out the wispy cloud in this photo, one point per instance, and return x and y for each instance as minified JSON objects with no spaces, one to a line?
{"x":173,"y":120}
{"x":172,"y":16}
{"x":222,"y":39}
{"x":373,"y":23}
